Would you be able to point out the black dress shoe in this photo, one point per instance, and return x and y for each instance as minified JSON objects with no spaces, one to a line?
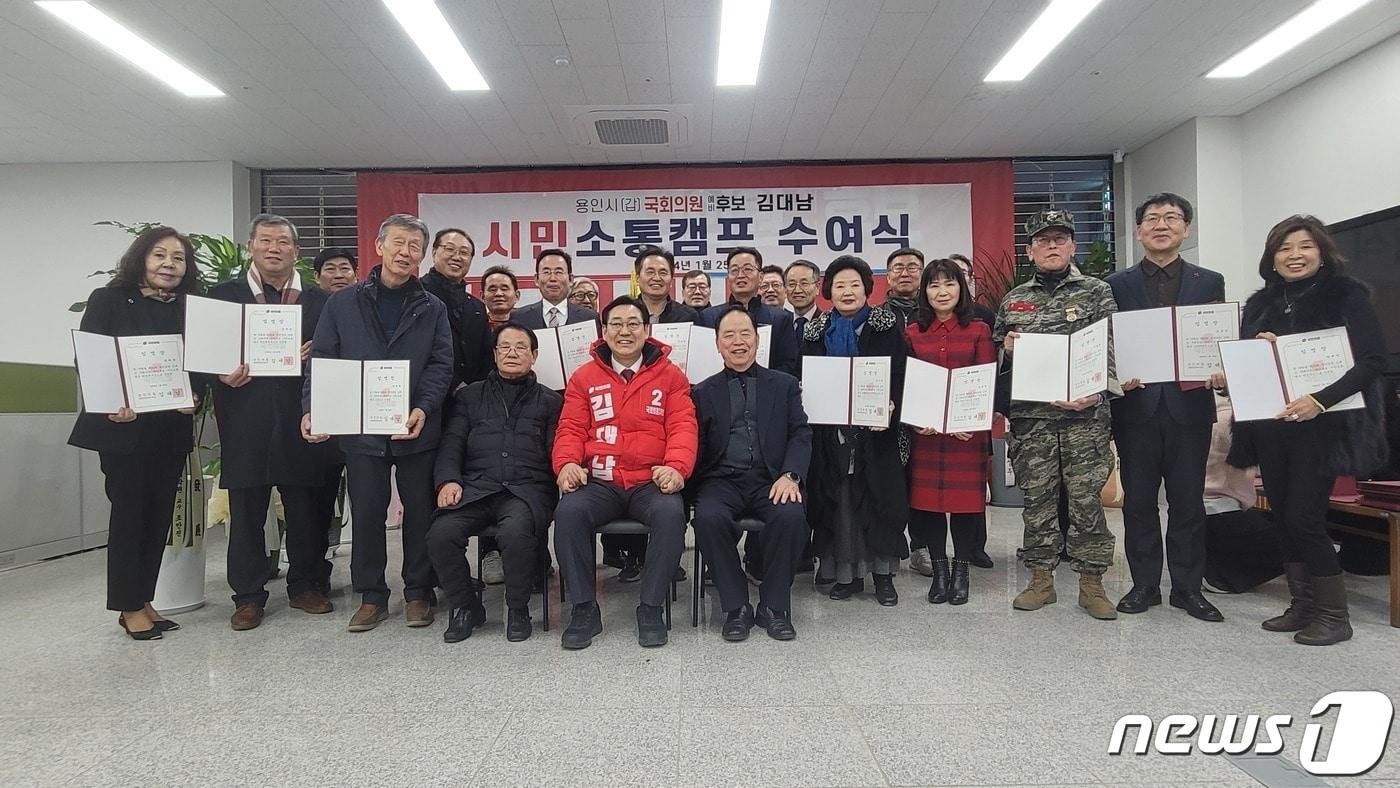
{"x":165,"y":625}
{"x":651,"y":626}
{"x":461,"y":621}
{"x":585,"y":624}
{"x":140,"y":634}
{"x":631,"y":571}
{"x":980,"y":559}
{"x":845,"y":590}
{"x":680,"y":575}
{"x":884,"y":590}
{"x":1139,"y":598}
{"x":737,"y":624}
{"x":1196,"y":605}
{"x":822,"y":581}
{"x":518,"y":625}
{"x":942,"y":577}
{"x":778,"y":624}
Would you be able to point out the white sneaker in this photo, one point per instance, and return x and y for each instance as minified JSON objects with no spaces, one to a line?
{"x":491,"y":572}
{"x":920,"y":561}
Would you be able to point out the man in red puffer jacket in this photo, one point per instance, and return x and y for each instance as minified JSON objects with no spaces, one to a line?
{"x":626,"y":443}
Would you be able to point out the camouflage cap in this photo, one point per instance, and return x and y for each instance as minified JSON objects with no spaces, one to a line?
{"x":1047,"y":218}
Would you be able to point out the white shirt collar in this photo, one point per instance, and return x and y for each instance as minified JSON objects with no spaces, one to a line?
{"x":809,"y":314}
{"x":562,"y":306}
{"x":635,"y":366}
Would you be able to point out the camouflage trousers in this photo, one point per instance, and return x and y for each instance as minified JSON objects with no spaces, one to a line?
{"x":1044,"y":453}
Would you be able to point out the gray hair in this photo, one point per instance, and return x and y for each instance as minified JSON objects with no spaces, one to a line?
{"x":273,"y":220}
{"x":404,"y":220}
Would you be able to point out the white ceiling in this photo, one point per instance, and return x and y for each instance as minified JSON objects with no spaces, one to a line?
{"x":336,"y":83}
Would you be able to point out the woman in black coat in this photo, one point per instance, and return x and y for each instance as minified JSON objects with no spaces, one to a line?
{"x":1306,"y":447}
{"x":857,"y":497}
{"x":142,"y":456}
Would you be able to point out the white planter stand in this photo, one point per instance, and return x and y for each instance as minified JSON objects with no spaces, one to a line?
{"x":180,"y":587}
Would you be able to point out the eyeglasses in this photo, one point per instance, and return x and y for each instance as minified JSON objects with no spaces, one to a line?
{"x":507,"y":350}
{"x":1172,"y":219}
{"x":769,"y":286}
{"x":903,"y":268}
{"x":804,"y":284}
{"x":695,"y":287}
{"x":744,"y":269}
{"x":630,"y":325}
{"x":584,"y":295}
{"x":1054,"y":239}
{"x":453,"y":251}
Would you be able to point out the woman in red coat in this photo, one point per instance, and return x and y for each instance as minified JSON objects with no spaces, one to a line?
{"x":948,"y":473}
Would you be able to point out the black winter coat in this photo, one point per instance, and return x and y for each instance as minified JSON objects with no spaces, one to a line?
{"x":471,"y":330}
{"x":491,"y":445}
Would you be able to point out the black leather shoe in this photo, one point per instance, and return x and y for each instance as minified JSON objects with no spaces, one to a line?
{"x":1139,"y":598}
{"x":680,"y":576}
{"x":737,"y":624}
{"x":884,"y":590}
{"x":822,"y":581}
{"x":1196,"y":605}
{"x":942,"y":576}
{"x":585,"y":624}
{"x":461,"y":621}
{"x":139,"y":634}
{"x":778,"y":624}
{"x":651,"y":626}
{"x":958,"y":584}
{"x":518,"y":626}
{"x":631,"y":571}
{"x":981,"y":560}
{"x":165,"y":625}
{"x":845,"y":590}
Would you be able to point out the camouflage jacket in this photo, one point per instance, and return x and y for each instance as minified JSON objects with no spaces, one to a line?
{"x":1077,"y":302}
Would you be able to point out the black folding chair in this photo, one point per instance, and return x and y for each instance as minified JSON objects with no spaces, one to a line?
{"x":618,"y":527}
{"x":746,"y":524}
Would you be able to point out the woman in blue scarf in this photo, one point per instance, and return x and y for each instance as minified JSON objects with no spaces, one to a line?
{"x":857,"y":494}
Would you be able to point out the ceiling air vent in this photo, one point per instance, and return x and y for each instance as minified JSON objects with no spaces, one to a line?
{"x":640,"y":126}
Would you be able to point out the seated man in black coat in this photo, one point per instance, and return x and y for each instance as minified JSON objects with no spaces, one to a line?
{"x":493,"y":470}
{"x":755,"y":446}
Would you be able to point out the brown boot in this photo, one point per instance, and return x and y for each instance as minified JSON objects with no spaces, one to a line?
{"x":1039,"y":593}
{"x":418,"y":613}
{"x":1093,"y":599}
{"x":367,"y":617}
{"x":1300,"y":609}
{"x":246,"y":616}
{"x":312,"y":602}
{"x":1330,"y":622}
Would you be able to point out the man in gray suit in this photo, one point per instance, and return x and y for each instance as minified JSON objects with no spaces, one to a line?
{"x":554,"y":274}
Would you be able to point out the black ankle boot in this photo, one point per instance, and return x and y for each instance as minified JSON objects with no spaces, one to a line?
{"x":938,"y":591}
{"x":462,"y":620}
{"x":884,"y":590}
{"x":1300,"y":607}
{"x":518,"y":626}
{"x":957,"y":593}
{"x":1331,"y":623}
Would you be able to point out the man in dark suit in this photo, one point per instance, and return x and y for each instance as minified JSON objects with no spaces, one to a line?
{"x":554,"y":274}
{"x":260,"y":442}
{"x":743,"y":264}
{"x":801,"y":280}
{"x":1163,"y":429}
{"x":755,"y":446}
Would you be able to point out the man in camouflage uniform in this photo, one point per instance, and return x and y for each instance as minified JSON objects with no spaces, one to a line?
{"x":1061,"y":442}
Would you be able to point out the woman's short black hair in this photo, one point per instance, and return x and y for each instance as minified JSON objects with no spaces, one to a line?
{"x":503,"y":271}
{"x":848,"y":262}
{"x":1332,"y":260}
{"x":653,"y":251}
{"x":131,"y":269}
{"x":332,"y":253}
{"x":512,"y":325}
{"x":944,"y":266}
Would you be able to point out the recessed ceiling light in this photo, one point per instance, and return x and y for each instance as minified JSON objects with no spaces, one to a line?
{"x":1040,"y":39}
{"x":110,"y":33}
{"x":742,"y":24}
{"x":1307,"y":23}
{"x":425,"y":24}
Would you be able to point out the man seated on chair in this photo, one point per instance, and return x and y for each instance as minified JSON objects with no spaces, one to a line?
{"x":755,"y":446}
{"x":493,"y":470}
{"x":626,"y":444}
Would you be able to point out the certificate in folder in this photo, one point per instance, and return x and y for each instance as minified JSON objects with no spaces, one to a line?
{"x":221,"y":335}
{"x":694,"y":350}
{"x":1174,"y":343}
{"x":350,"y":397}
{"x":846,"y":391}
{"x":949,"y":400}
{"x":1061,"y":367}
{"x":563,"y":350}
{"x":1265,"y":376}
{"x":143,"y":373}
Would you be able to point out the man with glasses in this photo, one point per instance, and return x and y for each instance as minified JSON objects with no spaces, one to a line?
{"x":584,"y":293}
{"x":654,"y":269}
{"x":492,"y":469}
{"x":902,"y":270}
{"x":1163,"y":430}
{"x":554,"y":274}
{"x":801,"y":281}
{"x":1060,"y":442}
{"x":453,"y":251}
{"x":695,"y":289}
{"x":770,"y":287}
{"x":743,"y":264}
{"x":626,"y":444}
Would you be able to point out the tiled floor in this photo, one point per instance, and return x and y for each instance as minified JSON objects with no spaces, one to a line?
{"x":911,"y":695}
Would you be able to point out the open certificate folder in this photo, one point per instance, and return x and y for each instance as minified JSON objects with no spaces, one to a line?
{"x":693,"y":348}
{"x":351,"y":397}
{"x":144,"y":373}
{"x":948,"y":400}
{"x":1263,"y":376}
{"x":1060,"y":367}
{"x":563,"y":350}
{"x":846,"y":391}
{"x":221,"y":335}
{"x":1173,"y":343}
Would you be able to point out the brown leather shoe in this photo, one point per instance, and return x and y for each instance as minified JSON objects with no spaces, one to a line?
{"x":312,"y":602}
{"x":247,"y":616}
{"x":418,"y":613}
{"x":367,"y":617}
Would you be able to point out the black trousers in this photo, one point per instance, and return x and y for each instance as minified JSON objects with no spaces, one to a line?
{"x":142,"y":489}
{"x":965,"y":526}
{"x":597,"y":503}
{"x":453,"y":528}
{"x":248,"y":549}
{"x":1149,"y":454}
{"x":1290,"y":460}
{"x":368,"y":481}
{"x":719,"y":503}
